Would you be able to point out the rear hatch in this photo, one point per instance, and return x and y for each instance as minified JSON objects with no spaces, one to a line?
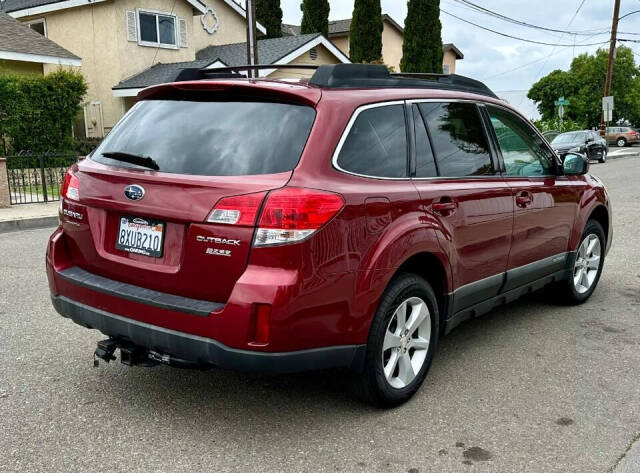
{"x":149,"y":189}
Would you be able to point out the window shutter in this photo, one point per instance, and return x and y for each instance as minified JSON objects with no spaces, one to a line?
{"x":131,"y":26}
{"x":182,"y":32}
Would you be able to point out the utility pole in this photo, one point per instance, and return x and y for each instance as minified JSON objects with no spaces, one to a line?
{"x":252,"y":42}
{"x":612,"y":56}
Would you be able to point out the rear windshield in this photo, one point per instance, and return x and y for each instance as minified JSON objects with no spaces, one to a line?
{"x":211,"y":138}
{"x":570,"y":137}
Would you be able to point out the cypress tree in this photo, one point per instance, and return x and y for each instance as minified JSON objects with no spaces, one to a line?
{"x":315,"y":17}
{"x":269,"y":15}
{"x":365,"y":39}
{"x":422,"y":48}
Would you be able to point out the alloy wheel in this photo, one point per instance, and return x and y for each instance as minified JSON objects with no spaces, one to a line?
{"x":406,"y":342}
{"x":621,"y":143}
{"x":588,"y":259}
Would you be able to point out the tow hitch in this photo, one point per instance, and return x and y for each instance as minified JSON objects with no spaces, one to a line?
{"x":133,"y":355}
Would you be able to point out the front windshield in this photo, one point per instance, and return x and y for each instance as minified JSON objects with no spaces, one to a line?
{"x":574,"y":137}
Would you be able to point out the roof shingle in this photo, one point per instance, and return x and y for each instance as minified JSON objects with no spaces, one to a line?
{"x":18,"y":38}
{"x":269,"y":52}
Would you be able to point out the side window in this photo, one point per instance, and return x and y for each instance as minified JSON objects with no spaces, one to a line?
{"x":523,"y":151}
{"x":377,"y":143}
{"x":458,"y":139}
{"x":425,"y":162}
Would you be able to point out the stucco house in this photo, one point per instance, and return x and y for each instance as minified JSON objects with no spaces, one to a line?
{"x":24,"y":51}
{"x":289,"y":50}
{"x":117,"y":39}
{"x":392,"y":39}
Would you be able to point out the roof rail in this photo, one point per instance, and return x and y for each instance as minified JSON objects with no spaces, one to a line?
{"x":351,"y":76}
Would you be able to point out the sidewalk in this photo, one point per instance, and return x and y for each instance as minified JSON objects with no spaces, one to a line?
{"x":28,"y":216}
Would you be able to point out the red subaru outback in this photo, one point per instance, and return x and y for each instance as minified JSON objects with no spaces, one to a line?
{"x":345,"y":222}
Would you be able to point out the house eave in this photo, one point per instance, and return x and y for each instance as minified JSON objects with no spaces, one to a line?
{"x":40,"y":58}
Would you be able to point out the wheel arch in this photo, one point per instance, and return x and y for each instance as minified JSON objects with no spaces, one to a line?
{"x":601,"y":215}
{"x":435,"y":271}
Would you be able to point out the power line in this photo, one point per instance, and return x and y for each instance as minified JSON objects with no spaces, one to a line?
{"x":500,"y":16}
{"x":543,"y":43}
{"x":522,"y":66}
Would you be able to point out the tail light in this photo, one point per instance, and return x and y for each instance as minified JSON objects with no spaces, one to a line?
{"x":291,"y":214}
{"x":70,"y":186}
{"x":237,"y":210}
{"x":288,"y":215}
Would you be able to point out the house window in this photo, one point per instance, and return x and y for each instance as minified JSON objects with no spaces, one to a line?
{"x":157,"y":29}
{"x":38,"y":26}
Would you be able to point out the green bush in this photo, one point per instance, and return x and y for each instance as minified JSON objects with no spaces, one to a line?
{"x":84,"y":146}
{"x":555,"y":124}
{"x":37,"y":112}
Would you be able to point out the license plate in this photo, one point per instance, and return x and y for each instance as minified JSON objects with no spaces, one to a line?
{"x":141,"y":236}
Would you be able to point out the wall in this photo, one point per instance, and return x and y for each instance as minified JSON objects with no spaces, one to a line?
{"x":232,"y":28}
{"x":20,"y":67}
{"x":392,"y":41}
{"x":450,"y":59}
{"x":97,"y":33}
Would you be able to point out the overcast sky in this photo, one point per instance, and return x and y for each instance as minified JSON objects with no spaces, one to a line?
{"x":490,"y":57}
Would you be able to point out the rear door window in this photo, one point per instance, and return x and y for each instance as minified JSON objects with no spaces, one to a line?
{"x":376,"y":145}
{"x":212,"y":138}
{"x":458,"y":138}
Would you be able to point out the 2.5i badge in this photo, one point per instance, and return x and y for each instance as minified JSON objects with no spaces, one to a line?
{"x":218,"y":252}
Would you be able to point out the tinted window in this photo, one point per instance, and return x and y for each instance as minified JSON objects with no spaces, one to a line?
{"x":212,"y":138}
{"x":148,"y":30}
{"x":458,"y":139}
{"x":425,"y":163}
{"x":377,"y":143}
{"x":523,"y":151}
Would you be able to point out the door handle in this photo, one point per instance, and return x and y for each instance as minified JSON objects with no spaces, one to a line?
{"x":524,"y":199}
{"x":444,"y":207}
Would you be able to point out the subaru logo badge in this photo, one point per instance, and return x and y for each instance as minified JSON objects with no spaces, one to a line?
{"x":134,"y":192}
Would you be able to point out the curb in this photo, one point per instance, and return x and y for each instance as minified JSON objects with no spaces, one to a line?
{"x":9,"y":226}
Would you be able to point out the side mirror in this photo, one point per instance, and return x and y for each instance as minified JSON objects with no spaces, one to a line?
{"x":575,"y":164}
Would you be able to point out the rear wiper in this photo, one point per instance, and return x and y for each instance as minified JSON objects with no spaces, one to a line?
{"x":145,"y":161}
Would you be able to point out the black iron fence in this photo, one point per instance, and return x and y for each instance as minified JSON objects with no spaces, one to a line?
{"x":36,"y":178}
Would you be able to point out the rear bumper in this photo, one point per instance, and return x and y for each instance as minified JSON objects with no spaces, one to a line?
{"x":207,"y":351}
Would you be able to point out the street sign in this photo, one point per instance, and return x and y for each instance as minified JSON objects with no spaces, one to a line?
{"x":561,"y":111}
{"x":561,"y":103}
{"x":607,"y":108}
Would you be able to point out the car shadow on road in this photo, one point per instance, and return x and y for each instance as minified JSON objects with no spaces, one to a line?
{"x":229,"y":397}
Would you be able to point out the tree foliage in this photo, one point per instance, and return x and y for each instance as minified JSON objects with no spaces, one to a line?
{"x":269,"y":15}
{"x":365,"y":38}
{"x":583,"y":86}
{"x":37,"y":112}
{"x":422,"y":48}
{"x":315,"y":17}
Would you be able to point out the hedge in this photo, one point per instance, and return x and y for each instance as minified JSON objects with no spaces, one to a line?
{"x":37,"y":112}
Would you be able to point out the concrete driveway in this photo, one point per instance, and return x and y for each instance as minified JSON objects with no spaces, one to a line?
{"x":531,"y":387}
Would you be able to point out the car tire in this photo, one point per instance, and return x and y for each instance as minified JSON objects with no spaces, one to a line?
{"x":584,"y":275}
{"x":621,"y":142}
{"x":603,"y":159}
{"x":394,"y":365}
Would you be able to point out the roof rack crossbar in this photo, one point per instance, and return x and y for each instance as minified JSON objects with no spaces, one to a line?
{"x":257,"y":67}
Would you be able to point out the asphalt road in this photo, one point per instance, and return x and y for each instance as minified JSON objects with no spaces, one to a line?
{"x":531,"y":387}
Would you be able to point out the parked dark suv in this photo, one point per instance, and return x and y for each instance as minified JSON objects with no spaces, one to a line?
{"x":345,"y":222}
